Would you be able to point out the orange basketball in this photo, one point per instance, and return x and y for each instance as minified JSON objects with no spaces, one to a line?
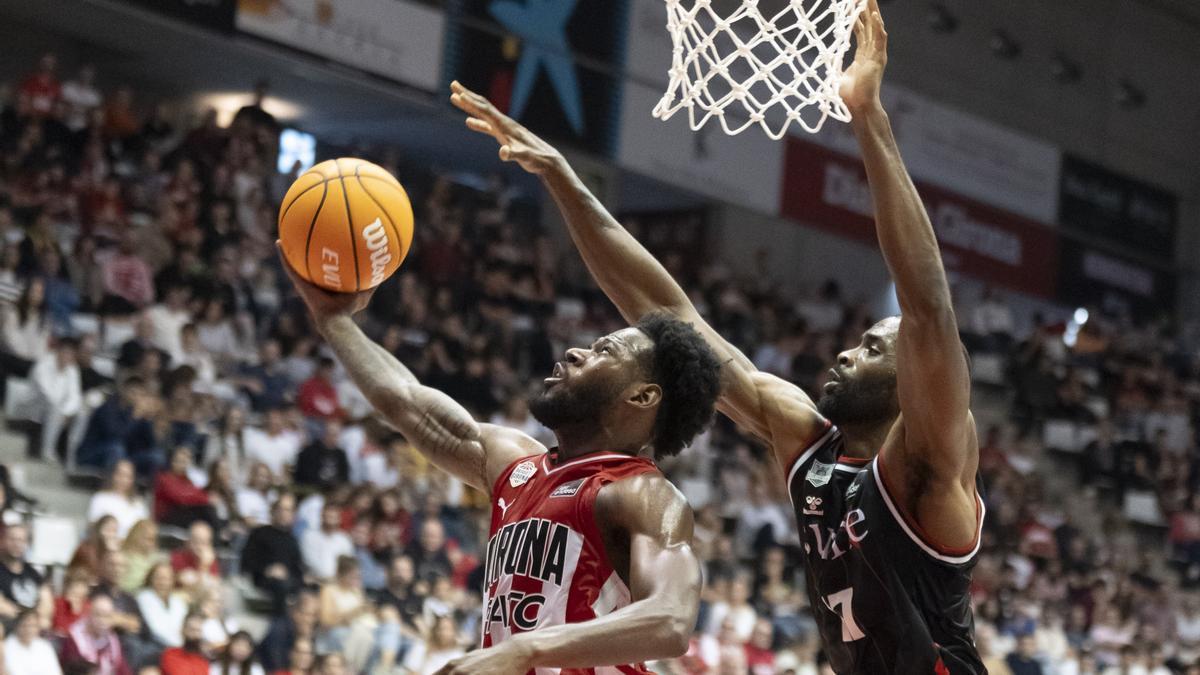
{"x":345,"y":225}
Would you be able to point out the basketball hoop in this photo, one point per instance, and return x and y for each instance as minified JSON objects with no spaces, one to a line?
{"x":774,"y":67}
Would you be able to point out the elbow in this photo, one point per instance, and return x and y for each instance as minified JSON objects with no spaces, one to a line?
{"x":673,"y":633}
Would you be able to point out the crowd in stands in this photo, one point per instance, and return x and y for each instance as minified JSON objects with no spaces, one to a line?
{"x":148,"y":335}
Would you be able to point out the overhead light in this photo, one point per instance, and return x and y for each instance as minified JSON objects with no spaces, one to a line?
{"x":1129,"y":96}
{"x":1064,"y":69}
{"x":1004,"y":46}
{"x":941,"y":20}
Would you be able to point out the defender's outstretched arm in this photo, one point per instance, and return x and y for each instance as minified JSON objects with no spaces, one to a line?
{"x":435,"y":424}
{"x":932,"y":374}
{"x":771,"y":408}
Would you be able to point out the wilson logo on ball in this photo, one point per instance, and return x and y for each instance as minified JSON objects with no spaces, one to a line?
{"x":377,"y":243}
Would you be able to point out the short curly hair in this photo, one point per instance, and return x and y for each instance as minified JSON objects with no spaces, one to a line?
{"x":689,"y":373}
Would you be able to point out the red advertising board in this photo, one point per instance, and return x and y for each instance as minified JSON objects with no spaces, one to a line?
{"x":829,"y":190}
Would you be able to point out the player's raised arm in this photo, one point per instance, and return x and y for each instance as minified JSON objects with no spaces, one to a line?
{"x":664,"y":585}
{"x":435,"y":424}
{"x":773,"y":409}
{"x":933,"y":383}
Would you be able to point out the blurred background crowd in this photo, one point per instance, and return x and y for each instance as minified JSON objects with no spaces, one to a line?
{"x":255,"y":517}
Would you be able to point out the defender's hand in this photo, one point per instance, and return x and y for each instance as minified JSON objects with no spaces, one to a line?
{"x":323,"y":304}
{"x":517,"y":144}
{"x":860,"y":83}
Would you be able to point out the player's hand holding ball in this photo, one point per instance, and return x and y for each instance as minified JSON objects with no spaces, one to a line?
{"x":345,"y":226}
{"x":517,"y":144}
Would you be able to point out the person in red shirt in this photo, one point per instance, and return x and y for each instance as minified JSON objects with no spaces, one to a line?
{"x":197,"y":559}
{"x":72,"y":605}
{"x":317,"y":397}
{"x":188,"y":659}
{"x":177,"y":501}
{"x":760,"y":660}
{"x":42,"y":87}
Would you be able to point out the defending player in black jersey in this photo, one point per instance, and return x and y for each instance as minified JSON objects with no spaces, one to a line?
{"x":882,"y":471}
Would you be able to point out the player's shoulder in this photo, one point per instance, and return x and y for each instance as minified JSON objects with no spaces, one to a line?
{"x":503,"y":447}
{"x":642,"y":502}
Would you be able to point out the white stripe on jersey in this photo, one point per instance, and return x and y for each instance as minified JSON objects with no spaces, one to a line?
{"x":554,"y":613}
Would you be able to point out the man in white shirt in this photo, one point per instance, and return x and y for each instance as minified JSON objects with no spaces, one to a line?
{"x":276,"y":445}
{"x":255,"y":499}
{"x":167,"y":320}
{"x":26,"y":652}
{"x":60,"y":396}
{"x":321,"y":548}
{"x":81,"y":97}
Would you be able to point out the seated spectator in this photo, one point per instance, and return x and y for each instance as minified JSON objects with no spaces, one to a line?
{"x":238,"y":657}
{"x":128,"y":281}
{"x":323,"y":547}
{"x":301,"y":659}
{"x":162,"y":608}
{"x":216,"y":333}
{"x":102,"y":537}
{"x":187,"y":658}
{"x":229,"y":444}
{"x":126,"y":618}
{"x":167,"y":320}
{"x":374,"y":574}
{"x":271,"y":556}
{"x":20,"y":584}
{"x":120,"y":501}
{"x":193,"y":354}
{"x":177,"y":500}
{"x":289,"y":630}
{"x":106,"y":439}
{"x":267,"y":383}
{"x":92,"y":644}
{"x":25,"y":651}
{"x":317,"y":397}
{"x":759,"y":656}
{"x":275,"y":445}
{"x":141,"y":554}
{"x":322,"y":464}
{"x":348,"y":622}
{"x":218,"y":629}
{"x":134,"y":350}
{"x":254,"y":499}
{"x":222,"y":494}
{"x":428,"y":551}
{"x":402,"y":592}
{"x":72,"y":605}
{"x":24,"y":330}
{"x":737,"y":607}
{"x":330,"y":664}
{"x":195,"y":563}
{"x":441,"y":647}
{"x":59,"y":392}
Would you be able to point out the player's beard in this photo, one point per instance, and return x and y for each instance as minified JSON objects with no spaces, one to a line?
{"x":867,"y":399}
{"x":571,"y":404}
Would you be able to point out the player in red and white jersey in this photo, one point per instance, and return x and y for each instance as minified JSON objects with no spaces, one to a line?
{"x":590,"y":569}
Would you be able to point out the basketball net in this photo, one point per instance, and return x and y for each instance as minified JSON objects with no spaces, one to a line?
{"x":750,"y":69}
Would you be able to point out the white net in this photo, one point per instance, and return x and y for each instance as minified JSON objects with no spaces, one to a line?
{"x":772,"y":67}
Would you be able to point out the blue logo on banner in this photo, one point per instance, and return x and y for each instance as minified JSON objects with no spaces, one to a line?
{"x":542,"y":24}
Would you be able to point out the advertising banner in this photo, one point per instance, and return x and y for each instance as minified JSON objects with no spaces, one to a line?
{"x":1091,"y":277}
{"x":216,"y":14}
{"x":829,"y":190}
{"x":553,"y":65}
{"x":1098,"y":202}
{"x":396,"y":39}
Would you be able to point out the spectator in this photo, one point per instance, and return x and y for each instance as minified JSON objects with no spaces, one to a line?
{"x":163,"y":609}
{"x":287,"y":631}
{"x":441,"y":648}
{"x":120,"y":500}
{"x":187,"y":658}
{"x":217,"y":629}
{"x":102,"y":537}
{"x":738,"y":608}
{"x":401,"y":593}
{"x":26,"y":652}
{"x":301,"y":659}
{"x":126,"y":618}
{"x":330,"y":664}
{"x":128,"y":282}
{"x":266,"y":382}
{"x":20,"y":584}
{"x":216,"y":333}
{"x":195,"y":563}
{"x":141,"y":554}
{"x":272,"y":557}
{"x":193,"y":354}
{"x":317,"y":396}
{"x":322,"y":464}
{"x":60,"y":394}
{"x":81,"y":97}
{"x":238,"y":657}
{"x":373,"y":574}
{"x":229,"y":444}
{"x":760,"y":659}
{"x":42,"y":88}
{"x":112,"y":428}
{"x":323,"y":547}
{"x":254,"y":499}
{"x":92,"y":644}
{"x":177,"y":500}
{"x":24,"y":329}
{"x":168,"y":319}
{"x":276,"y":445}
{"x":428,"y":552}
{"x":72,"y":605}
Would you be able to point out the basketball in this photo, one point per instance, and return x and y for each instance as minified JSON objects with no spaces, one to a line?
{"x":345,"y":225}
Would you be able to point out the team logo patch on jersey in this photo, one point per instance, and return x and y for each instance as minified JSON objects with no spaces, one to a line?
{"x":819,"y":474}
{"x":853,"y":489}
{"x":567,"y":489}
{"x":522,"y":474}
{"x":812,"y":506}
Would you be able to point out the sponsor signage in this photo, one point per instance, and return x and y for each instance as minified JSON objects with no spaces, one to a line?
{"x":1096,"y":278}
{"x":216,"y":14}
{"x":829,"y":190}
{"x":965,"y":154}
{"x":553,"y":65}
{"x":396,"y":39}
{"x":1098,"y":202}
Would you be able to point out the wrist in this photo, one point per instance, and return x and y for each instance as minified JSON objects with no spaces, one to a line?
{"x":528,"y":647}
{"x":868,"y":114}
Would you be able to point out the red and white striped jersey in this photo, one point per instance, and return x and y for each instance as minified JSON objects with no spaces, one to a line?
{"x":546,"y":564}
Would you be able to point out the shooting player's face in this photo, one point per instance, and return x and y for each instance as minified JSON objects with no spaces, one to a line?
{"x":862,"y":386}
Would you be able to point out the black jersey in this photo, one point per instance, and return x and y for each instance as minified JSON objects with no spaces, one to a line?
{"x":885,"y":599}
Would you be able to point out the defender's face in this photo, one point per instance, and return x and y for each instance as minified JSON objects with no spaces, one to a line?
{"x":862,"y":386}
{"x":590,"y":379}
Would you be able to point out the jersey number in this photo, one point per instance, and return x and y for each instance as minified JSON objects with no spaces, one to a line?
{"x":845,"y":599}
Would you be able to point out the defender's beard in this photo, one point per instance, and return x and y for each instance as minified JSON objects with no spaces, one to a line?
{"x":865,"y":400}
